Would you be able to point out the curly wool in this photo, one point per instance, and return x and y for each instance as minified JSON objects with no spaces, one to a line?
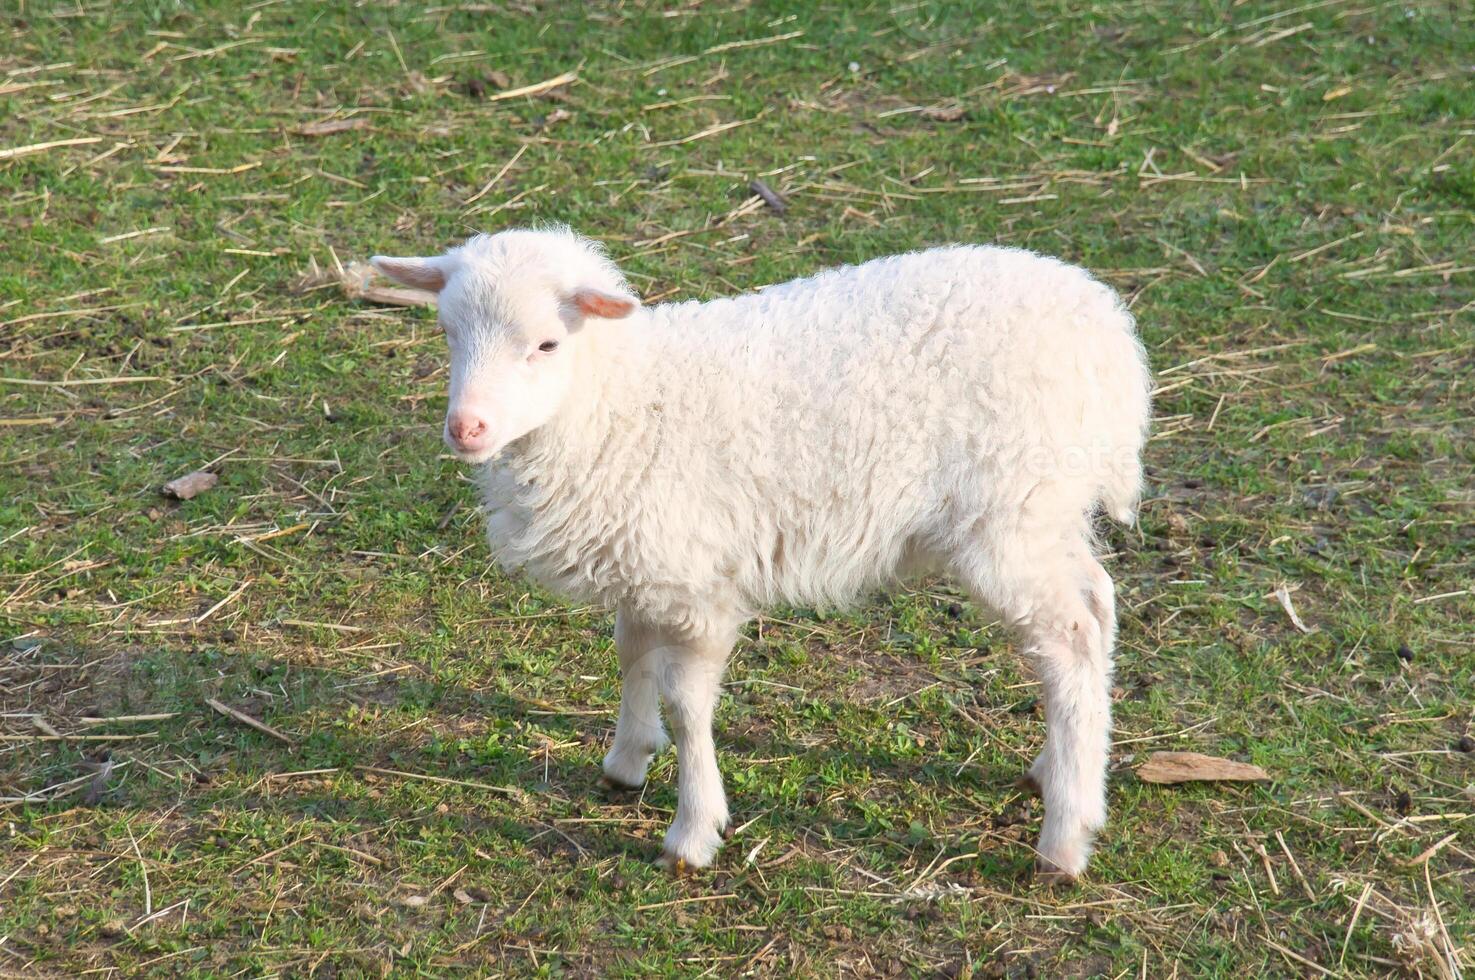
{"x":804,"y":444}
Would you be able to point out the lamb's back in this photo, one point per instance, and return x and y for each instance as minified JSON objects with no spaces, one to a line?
{"x":925,"y":342}
{"x":827,"y":424}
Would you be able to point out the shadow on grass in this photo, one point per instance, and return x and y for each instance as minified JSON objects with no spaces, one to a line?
{"x":404,"y":748}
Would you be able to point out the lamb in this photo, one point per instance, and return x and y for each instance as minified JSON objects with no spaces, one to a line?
{"x":964,"y":410}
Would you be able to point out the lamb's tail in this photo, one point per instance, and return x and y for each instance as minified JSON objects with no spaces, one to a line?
{"x":1131,"y":415}
{"x":1122,"y":492}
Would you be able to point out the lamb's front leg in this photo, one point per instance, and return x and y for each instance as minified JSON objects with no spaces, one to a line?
{"x":689,"y":682}
{"x":638,"y":733}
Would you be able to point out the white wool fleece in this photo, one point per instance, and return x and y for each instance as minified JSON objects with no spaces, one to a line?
{"x":807,"y":443}
{"x":964,"y":410}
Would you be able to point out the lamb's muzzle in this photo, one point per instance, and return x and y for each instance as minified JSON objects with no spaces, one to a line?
{"x":964,"y":410}
{"x":466,"y":431}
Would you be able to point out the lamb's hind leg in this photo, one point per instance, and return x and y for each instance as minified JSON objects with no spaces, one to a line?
{"x":1099,"y":594}
{"x":1061,"y":606}
{"x":638,"y":732}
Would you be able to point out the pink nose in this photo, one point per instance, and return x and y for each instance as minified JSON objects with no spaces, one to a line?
{"x":466,"y":431}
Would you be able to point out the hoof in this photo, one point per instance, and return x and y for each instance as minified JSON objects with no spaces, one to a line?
{"x":1050,"y":876}
{"x":728,"y":830}
{"x":676,"y":867}
{"x":1028,"y":784}
{"x":612,"y":785}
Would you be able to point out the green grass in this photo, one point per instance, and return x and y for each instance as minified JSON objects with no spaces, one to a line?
{"x":1284,"y":191}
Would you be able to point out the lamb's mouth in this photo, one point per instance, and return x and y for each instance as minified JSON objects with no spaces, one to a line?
{"x":478,"y":457}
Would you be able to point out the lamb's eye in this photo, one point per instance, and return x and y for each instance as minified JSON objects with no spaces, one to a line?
{"x":548,"y":346}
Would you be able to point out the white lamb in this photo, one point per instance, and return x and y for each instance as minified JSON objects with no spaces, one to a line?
{"x":963,"y":410}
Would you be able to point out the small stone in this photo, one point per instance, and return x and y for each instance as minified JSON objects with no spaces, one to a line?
{"x":190,"y":485}
{"x":1466,"y":744}
{"x":1405,"y":654}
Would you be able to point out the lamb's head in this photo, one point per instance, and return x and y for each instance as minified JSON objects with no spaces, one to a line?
{"x":513,"y":306}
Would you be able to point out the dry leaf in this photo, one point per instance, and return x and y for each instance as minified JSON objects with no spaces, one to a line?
{"x":190,"y":485}
{"x":1191,"y":767}
{"x":1283,"y":596}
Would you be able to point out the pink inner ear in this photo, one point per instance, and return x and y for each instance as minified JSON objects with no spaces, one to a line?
{"x":592,"y":302}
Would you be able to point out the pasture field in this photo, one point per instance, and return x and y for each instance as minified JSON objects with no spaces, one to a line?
{"x":1284,"y":190}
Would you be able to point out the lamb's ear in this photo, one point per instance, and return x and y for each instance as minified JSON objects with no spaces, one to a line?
{"x":426,"y":273}
{"x":596,"y":302}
